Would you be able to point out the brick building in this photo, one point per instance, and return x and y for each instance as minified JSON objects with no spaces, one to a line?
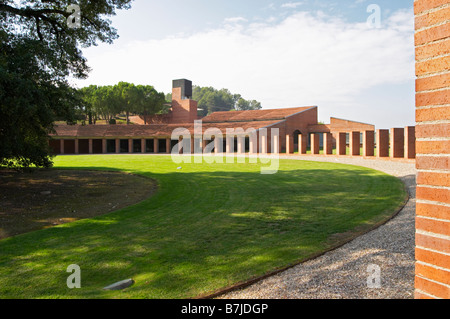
{"x":296,"y":126}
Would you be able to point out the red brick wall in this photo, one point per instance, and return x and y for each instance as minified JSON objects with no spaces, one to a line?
{"x":183,"y":111}
{"x":432,"y":40}
{"x":340,"y":125}
{"x":300,"y":122}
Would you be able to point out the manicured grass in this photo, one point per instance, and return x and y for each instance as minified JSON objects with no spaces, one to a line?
{"x":208,"y":227}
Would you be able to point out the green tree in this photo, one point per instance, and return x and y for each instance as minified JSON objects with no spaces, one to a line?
{"x":212,"y":100}
{"x":39,"y":50}
{"x":150,"y":101}
{"x":108,"y":101}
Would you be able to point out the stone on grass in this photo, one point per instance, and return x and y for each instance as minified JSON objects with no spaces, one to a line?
{"x":120,"y":285}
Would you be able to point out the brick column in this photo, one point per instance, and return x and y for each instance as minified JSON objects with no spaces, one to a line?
{"x":155,"y":145}
{"x":432,"y":40}
{"x":91,"y":148}
{"x":104,"y":146}
{"x":229,"y":145}
{"x":397,"y":143}
{"x":355,"y":143}
{"x":117,"y":146}
{"x":61,"y":146}
{"x":253,"y":147}
{"x":130,"y":145}
{"x":315,"y":144}
{"x":302,"y":143}
{"x":410,"y":142}
{"x":193,"y":145}
{"x":263,"y":144}
{"x":143,"y":145}
{"x":275,"y":144}
{"x":218,"y":146}
{"x":289,"y":144}
{"x":241,"y":145}
{"x":368,"y":143}
{"x":382,"y":143}
{"x":341,"y":144}
{"x":327,"y":144}
{"x":77,"y":146}
{"x":168,"y":145}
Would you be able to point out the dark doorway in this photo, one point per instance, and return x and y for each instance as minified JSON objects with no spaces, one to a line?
{"x":97,"y":146}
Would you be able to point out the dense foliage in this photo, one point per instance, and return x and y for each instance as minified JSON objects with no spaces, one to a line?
{"x":107,"y":101}
{"x":212,"y":100}
{"x":39,"y":49}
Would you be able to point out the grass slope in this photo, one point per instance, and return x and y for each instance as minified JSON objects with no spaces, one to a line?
{"x":209,"y":226}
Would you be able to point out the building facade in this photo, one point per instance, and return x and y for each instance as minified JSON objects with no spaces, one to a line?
{"x":298,"y":129}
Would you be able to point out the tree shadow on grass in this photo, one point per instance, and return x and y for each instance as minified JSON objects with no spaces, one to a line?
{"x":200,"y":232}
{"x":343,"y":273}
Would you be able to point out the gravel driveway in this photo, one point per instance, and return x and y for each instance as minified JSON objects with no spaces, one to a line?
{"x":347,"y":272}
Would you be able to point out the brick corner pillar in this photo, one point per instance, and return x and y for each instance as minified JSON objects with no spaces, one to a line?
{"x":397,"y":143}
{"x":410,"y":142}
{"x":302,"y":144}
{"x":327,"y":144}
{"x":289,"y":144}
{"x":341,"y":143}
{"x":382,"y":143}
{"x":368,"y":143}
{"x":355,"y":143}
{"x":315,"y":144}
{"x":432,"y":40}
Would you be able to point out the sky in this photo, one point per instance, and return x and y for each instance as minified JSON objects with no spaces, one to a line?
{"x":354,"y":59}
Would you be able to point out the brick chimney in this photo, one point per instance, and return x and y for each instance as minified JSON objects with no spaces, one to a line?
{"x":184,"y":109}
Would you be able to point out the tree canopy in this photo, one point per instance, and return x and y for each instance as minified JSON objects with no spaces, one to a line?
{"x":108,"y":101}
{"x":40,"y":47}
{"x":211,"y":100}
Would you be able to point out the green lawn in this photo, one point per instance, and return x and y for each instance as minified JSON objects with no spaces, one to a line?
{"x":208,"y":227}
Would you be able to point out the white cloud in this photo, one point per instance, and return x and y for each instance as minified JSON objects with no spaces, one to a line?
{"x":304,"y":60}
{"x":291,"y":5}
{"x":235,"y":20}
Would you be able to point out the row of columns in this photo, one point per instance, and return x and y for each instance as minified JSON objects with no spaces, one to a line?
{"x":218,"y":147}
{"x":393,"y":143}
{"x":117,"y":145}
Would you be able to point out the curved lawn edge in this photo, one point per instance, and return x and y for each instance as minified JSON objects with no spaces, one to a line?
{"x":247,"y":283}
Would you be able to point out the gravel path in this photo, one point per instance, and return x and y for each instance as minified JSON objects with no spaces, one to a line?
{"x":343,"y":273}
